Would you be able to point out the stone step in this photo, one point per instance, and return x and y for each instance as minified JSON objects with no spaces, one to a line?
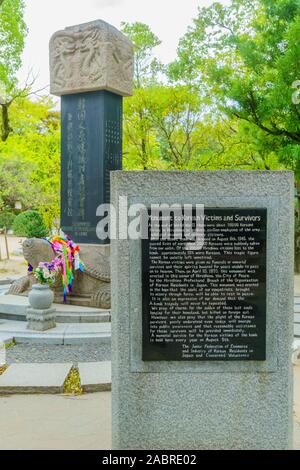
{"x":5,"y":282}
{"x":95,"y":376}
{"x":34,"y":378}
{"x":81,"y":301}
{"x":13,"y":307}
{"x":297,"y":329}
{"x":63,"y":333}
{"x":50,"y":378}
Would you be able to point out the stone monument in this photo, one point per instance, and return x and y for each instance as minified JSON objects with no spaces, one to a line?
{"x":91,"y":68}
{"x":91,"y":288}
{"x":202,"y":336}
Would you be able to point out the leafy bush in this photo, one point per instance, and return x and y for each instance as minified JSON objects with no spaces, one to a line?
{"x":30,"y":224}
{"x":6,"y":219}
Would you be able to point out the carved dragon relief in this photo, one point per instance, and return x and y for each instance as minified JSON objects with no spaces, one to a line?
{"x":84,"y":59}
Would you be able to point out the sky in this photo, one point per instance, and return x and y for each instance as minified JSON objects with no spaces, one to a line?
{"x":168,"y":19}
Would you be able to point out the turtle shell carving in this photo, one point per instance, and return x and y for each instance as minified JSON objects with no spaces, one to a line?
{"x":90,"y":288}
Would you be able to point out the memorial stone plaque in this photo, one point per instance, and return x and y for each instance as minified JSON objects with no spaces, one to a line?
{"x":91,"y":68}
{"x":91,"y":148}
{"x":207,"y":304}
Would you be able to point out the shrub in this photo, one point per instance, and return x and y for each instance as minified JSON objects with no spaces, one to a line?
{"x":6,"y":219}
{"x":30,"y":224}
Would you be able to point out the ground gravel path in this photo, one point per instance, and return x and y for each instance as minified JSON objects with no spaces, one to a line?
{"x":33,"y":353}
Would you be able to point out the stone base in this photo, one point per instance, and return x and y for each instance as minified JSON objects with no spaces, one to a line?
{"x":40,"y":320}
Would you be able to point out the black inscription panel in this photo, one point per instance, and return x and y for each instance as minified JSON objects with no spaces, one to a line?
{"x":208,"y":304}
{"x":91,"y":148}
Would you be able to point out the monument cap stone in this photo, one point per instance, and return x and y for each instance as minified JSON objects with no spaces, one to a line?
{"x":89,"y":57}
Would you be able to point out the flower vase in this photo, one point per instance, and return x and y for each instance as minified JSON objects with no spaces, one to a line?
{"x":41,"y":297}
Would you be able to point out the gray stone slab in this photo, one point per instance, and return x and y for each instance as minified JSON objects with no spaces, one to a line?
{"x":95,"y":376}
{"x":30,"y":338}
{"x":61,"y":334}
{"x":297,"y":318}
{"x":95,"y":339}
{"x":215,"y":405}
{"x":5,"y":282}
{"x":34,"y":378}
{"x":297,"y":329}
{"x":14,"y":307}
{"x":6,"y":338}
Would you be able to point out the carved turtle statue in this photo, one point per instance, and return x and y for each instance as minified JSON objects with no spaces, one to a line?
{"x":90,"y":288}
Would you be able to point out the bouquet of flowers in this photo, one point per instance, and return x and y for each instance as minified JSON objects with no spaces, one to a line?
{"x":45,"y":272}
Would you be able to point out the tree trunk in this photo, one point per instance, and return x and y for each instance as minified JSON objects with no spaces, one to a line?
{"x":144,"y":154}
{"x":6,"y":129}
{"x":298,"y":199}
{"x":143,"y":146}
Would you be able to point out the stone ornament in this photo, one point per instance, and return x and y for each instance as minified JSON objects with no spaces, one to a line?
{"x":91,"y":288}
{"x":41,"y":320}
{"x":90,"y":57}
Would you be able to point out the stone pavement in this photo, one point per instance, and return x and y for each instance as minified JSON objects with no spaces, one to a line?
{"x":50,"y":378}
{"x":56,"y":422}
{"x":34,"y":378}
{"x":75,"y":353}
{"x":73,"y":423}
{"x":95,"y":378}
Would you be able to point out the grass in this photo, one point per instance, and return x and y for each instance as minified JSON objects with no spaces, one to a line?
{"x":10,"y":345}
{"x":72,"y":385}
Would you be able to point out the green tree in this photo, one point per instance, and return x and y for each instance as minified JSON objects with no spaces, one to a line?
{"x":183,"y":131}
{"x":245,"y":58}
{"x":141,"y":147}
{"x":139,"y":136}
{"x":12,"y":37}
{"x":146,"y":66}
{"x":30,"y":159}
{"x":30,"y":224}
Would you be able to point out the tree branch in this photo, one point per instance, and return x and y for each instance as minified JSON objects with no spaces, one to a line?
{"x":6,"y":128}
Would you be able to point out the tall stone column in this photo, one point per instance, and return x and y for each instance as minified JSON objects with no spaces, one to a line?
{"x":91,"y":68}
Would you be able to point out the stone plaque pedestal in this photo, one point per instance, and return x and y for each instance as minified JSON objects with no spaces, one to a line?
{"x":213,"y":369}
{"x":41,"y":320}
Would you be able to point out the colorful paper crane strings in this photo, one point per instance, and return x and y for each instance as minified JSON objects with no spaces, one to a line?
{"x":67,"y":256}
{"x":66,"y":260}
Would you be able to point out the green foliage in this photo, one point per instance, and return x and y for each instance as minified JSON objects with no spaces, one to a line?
{"x":144,"y":41}
{"x":6,"y":219}
{"x":225,"y":103}
{"x":3,"y":369}
{"x":245,"y":58}
{"x":30,"y":159}
{"x":30,"y":224}
{"x":12,"y":37}
{"x":72,"y":383}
